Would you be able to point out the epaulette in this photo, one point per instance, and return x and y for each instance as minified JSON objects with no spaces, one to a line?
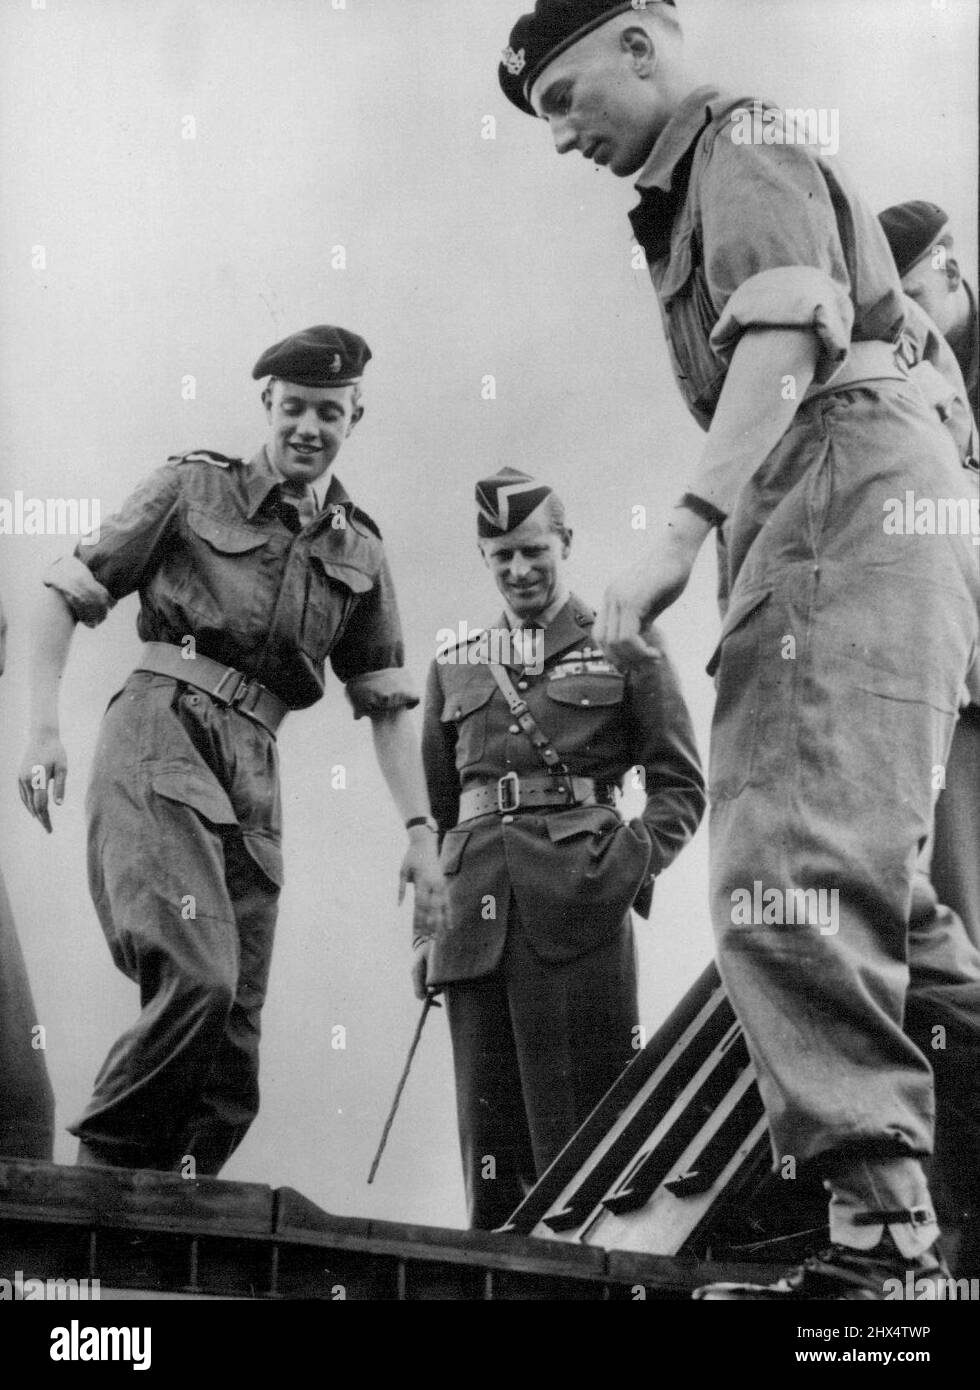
{"x":369,"y":522}
{"x":204,"y":456}
{"x":471,"y":634}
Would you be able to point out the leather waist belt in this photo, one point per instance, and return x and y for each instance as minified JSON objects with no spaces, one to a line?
{"x":223,"y":683}
{"x":868,"y":361}
{"x":513,"y":793}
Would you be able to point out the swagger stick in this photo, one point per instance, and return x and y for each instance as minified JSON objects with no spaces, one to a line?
{"x":430,"y":1002}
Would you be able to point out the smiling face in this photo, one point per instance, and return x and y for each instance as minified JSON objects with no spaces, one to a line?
{"x":527,"y":564}
{"x":307,"y":426}
{"x":608,"y":96}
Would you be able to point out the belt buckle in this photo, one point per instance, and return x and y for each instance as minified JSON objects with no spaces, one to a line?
{"x":504,"y":799}
{"x":236,"y":695}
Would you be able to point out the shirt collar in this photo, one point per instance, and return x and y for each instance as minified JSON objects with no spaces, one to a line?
{"x":567,"y":627}
{"x":697,"y":110}
{"x":262,"y":477}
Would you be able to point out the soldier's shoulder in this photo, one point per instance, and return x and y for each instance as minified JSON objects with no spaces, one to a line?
{"x":363,"y":522}
{"x":206,"y":456}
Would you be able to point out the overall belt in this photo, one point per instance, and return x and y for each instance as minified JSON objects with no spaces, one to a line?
{"x":223,"y":683}
{"x":866,"y":361}
{"x":534,"y":793}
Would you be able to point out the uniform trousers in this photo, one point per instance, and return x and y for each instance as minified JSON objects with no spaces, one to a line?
{"x":842,"y":665}
{"x":536,"y":1044}
{"x":189,"y":915}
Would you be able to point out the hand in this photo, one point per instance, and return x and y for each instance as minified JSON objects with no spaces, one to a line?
{"x":44,"y":769}
{"x":636,"y":599}
{"x":421,"y":867}
{"x":420,"y":967}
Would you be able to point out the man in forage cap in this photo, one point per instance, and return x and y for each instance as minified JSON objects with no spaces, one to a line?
{"x":536,"y":955}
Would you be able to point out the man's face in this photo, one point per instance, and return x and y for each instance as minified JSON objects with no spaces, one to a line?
{"x":527,"y":565}
{"x":933,"y":290}
{"x":596,"y":102}
{"x":307,"y":426}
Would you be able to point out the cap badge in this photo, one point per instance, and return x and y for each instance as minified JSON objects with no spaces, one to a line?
{"x":515,"y":63}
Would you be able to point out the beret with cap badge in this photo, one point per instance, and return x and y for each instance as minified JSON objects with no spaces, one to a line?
{"x":318,"y":356}
{"x":548,"y":30}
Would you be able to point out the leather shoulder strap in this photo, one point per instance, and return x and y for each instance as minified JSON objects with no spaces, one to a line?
{"x":540,"y":741}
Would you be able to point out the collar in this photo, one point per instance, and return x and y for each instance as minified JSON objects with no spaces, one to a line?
{"x":698,"y":109}
{"x":566,"y":627}
{"x":261,"y":477}
{"x":663,"y":179}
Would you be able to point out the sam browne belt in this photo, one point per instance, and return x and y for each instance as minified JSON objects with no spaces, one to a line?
{"x":534,"y":793}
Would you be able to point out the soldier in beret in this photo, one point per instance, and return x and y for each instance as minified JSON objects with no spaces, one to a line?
{"x":925,"y":255}
{"x":537,"y":952}
{"x":249,"y":579}
{"x":783,"y":313}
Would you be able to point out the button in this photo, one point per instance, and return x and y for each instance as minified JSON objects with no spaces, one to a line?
{"x":522,"y":685}
{"x":515,"y":729}
{"x":584,"y":700}
{"x":506,"y":820}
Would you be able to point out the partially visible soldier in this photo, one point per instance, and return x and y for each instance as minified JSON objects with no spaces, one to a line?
{"x":26,"y":1098}
{"x":528,"y":733}
{"x":931,"y":279}
{"x":248,"y":581}
{"x":930,"y":272}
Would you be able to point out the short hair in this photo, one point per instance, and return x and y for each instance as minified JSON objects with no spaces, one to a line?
{"x":355,"y":399}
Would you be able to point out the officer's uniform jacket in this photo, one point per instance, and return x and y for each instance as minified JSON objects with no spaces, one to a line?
{"x":573,"y":873}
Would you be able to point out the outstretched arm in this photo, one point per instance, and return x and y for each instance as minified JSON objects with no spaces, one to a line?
{"x":751,"y":417}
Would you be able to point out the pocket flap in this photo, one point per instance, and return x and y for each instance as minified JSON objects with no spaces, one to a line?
{"x":227,"y":536}
{"x":466,"y":698}
{"x":739,"y":610}
{"x":351,"y":576}
{"x":452,"y":850}
{"x":588,"y":690}
{"x":580,"y":820}
{"x":190,"y":788}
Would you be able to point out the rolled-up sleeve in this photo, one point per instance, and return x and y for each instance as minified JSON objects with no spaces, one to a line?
{"x":370,"y":656}
{"x":124,"y":552}
{"x":790,"y":297}
{"x":768,"y":208}
{"x":88,"y":600}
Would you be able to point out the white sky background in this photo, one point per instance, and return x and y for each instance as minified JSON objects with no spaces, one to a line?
{"x":361,"y":127}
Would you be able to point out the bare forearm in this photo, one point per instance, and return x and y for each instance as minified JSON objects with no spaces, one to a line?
{"x":54,"y":627}
{"x":769,"y":375}
{"x":397,"y":750}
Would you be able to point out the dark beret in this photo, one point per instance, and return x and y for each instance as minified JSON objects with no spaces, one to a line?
{"x":911,"y":228}
{"x":319,"y":356}
{"x":553,"y":26}
{"x":507,"y":499}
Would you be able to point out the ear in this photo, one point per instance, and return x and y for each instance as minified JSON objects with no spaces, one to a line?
{"x":953,"y":273}
{"x":637,"y":44}
{"x":354,"y":420}
{"x":483,"y":554}
{"x":566,"y":543}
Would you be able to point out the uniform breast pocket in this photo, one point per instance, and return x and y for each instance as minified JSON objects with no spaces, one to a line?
{"x":468,"y":707}
{"x":219,"y":585}
{"x":597,"y":700}
{"x":333,"y":591}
